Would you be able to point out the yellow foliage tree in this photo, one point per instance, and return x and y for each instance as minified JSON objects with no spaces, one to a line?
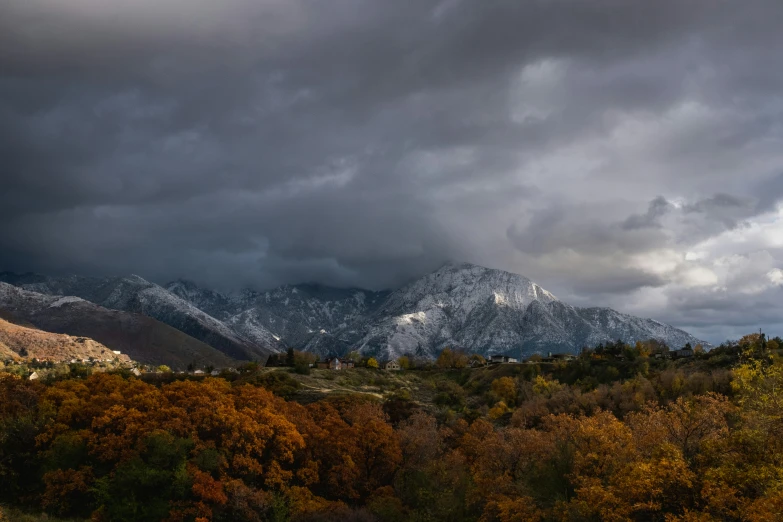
{"x":505,"y":389}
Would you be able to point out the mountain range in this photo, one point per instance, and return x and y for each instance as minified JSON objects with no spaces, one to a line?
{"x":479,"y":309}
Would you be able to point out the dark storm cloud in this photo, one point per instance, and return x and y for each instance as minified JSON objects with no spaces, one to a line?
{"x":724,"y":208}
{"x":365,"y":142}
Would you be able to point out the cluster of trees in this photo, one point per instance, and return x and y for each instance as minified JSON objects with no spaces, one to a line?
{"x":686,"y":443}
{"x":458,"y":358}
{"x":300,"y":361}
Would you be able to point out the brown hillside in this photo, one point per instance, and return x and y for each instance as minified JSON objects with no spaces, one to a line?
{"x":46,"y":346}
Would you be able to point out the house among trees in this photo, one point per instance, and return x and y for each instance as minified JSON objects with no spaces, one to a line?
{"x":391,"y":365}
{"x":556,"y":357}
{"x":136,"y":372}
{"x":502,"y":359}
{"x":683,"y":352}
{"x":336,"y":363}
{"x":34,"y":376}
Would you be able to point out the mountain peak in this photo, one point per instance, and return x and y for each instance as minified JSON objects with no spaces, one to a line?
{"x":461,"y":273}
{"x":137,"y":279}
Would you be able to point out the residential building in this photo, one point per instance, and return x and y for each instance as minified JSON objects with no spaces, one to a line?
{"x":684,"y":352}
{"x":337,"y":364}
{"x":502,"y":359}
{"x":391,"y":365}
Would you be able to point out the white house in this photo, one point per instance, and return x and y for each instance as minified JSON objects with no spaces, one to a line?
{"x":136,"y":372}
{"x":34,"y":376}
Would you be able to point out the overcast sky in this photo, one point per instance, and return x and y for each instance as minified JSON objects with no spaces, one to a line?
{"x":621,"y":153}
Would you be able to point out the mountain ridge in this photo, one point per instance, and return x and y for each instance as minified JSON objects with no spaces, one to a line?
{"x":480,"y":309}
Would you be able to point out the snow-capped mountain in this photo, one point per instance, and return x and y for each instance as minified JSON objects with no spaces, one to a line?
{"x":491,"y":311}
{"x":483,"y":310}
{"x":135,"y":294}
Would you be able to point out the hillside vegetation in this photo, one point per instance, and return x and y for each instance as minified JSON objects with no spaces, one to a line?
{"x":22,"y":342}
{"x":616,"y":434}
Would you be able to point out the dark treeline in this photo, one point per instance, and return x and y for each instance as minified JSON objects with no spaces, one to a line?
{"x":615,"y":435}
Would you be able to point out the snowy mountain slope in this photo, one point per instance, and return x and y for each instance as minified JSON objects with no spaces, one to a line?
{"x":463,"y":287}
{"x":142,"y":338}
{"x":303,"y":316}
{"x":491,"y":311}
{"x":135,"y":294}
{"x":214,"y":303}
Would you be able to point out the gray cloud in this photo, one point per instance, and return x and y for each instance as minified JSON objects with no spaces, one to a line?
{"x":605,"y":149}
{"x":658,"y":208}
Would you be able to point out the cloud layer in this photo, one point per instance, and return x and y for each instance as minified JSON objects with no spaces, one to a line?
{"x":620,"y":153}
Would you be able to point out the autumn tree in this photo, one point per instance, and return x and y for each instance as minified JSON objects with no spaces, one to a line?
{"x":445,"y":359}
{"x":505,"y":389}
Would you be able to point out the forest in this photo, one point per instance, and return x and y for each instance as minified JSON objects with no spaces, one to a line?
{"x":614,"y":435}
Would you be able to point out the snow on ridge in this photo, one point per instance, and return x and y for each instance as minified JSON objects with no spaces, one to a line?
{"x":65,"y":300}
